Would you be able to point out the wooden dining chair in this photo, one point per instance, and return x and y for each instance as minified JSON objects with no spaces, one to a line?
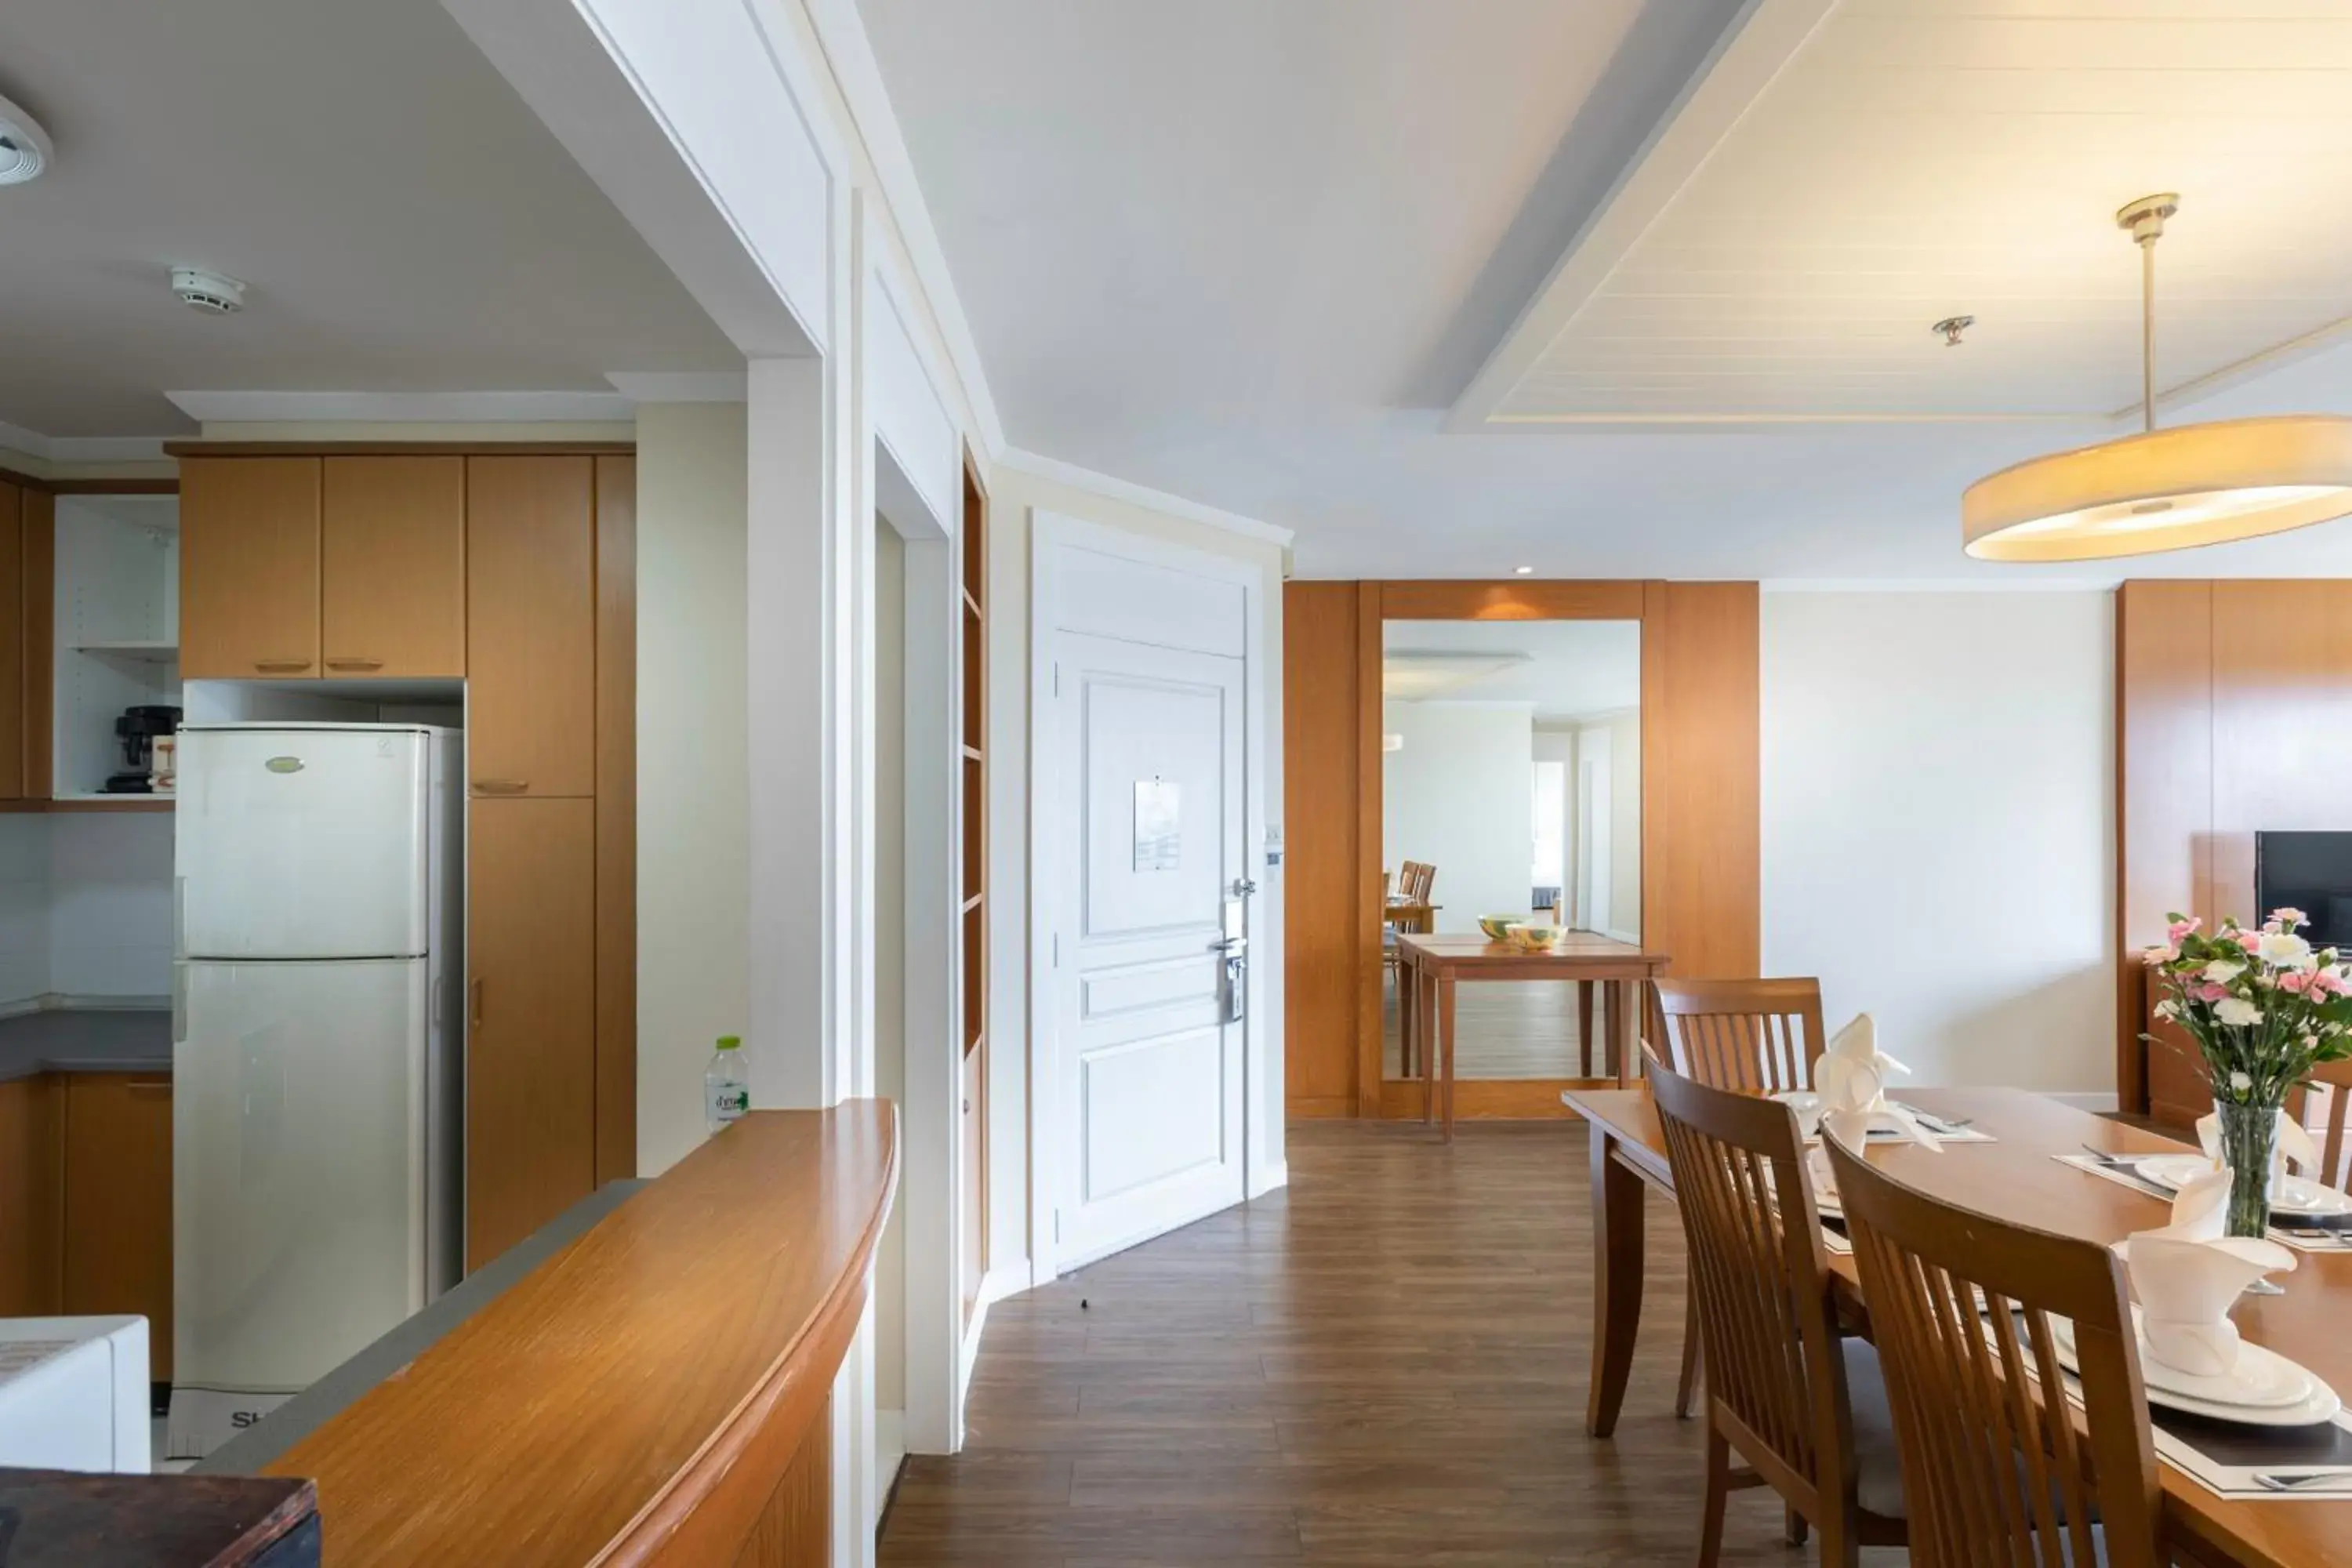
{"x":1753,"y":1037}
{"x":1759,"y":1036}
{"x":1800,"y":1404}
{"x":1995,"y":1470}
{"x":2336,"y":1077}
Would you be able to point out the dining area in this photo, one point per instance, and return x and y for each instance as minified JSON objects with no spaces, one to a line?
{"x":1983,"y":1324}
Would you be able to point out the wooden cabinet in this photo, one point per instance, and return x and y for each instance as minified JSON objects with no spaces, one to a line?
{"x":531,"y":625}
{"x":249,"y":567}
{"x":32,"y":1195}
{"x":531,"y":1054}
{"x":118,"y":1201}
{"x":393,"y":566}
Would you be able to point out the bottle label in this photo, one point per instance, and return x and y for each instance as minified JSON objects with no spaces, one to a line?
{"x":727,"y":1101}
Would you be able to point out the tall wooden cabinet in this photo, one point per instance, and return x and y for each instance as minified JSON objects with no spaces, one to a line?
{"x":117,"y":1251}
{"x":514,"y":569}
{"x":28,"y":535}
{"x":973,"y":811}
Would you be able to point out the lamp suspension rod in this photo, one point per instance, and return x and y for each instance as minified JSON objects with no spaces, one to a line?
{"x":2144,"y":219}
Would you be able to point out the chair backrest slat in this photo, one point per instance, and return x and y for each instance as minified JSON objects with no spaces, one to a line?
{"x":1754,"y":1036}
{"x":1761,"y":1277}
{"x":1995,"y":1471}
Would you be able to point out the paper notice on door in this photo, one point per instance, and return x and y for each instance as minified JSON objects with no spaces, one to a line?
{"x":1158,"y":832}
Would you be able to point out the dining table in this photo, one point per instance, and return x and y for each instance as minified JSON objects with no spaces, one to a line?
{"x":2016,"y":1175}
{"x":1429,"y":966}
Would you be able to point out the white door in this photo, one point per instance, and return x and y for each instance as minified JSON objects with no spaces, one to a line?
{"x":1150,"y":1041}
{"x":299,"y":1211}
{"x":1592,"y":830}
{"x":302,"y":841}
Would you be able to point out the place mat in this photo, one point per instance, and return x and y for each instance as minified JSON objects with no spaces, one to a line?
{"x":2302,"y":1239}
{"x":2225,"y":1458}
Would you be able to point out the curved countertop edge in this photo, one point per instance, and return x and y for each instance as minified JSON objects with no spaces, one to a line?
{"x":763,"y":1237}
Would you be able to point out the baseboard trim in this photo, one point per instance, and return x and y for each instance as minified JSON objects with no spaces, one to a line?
{"x":1275,"y":1176}
{"x":889,"y":1448}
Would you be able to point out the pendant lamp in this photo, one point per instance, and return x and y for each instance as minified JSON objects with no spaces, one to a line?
{"x":2162,"y":489}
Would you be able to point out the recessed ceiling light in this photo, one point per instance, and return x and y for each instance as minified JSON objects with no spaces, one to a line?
{"x":1523,"y":571}
{"x":24,"y":149}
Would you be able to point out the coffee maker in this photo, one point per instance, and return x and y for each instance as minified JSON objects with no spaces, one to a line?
{"x":136,"y":732}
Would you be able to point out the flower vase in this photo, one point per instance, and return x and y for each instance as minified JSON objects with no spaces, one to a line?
{"x":2249,"y":1148}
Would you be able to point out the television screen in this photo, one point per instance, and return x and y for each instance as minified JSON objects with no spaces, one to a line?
{"x":2311,"y":872}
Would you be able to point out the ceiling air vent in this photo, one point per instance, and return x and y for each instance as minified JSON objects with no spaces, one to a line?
{"x":25,"y":148}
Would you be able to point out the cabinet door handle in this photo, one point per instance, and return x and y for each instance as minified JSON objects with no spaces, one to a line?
{"x":281,"y":665}
{"x":502,"y":787}
{"x":149,"y":1086}
{"x":477,"y":989}
{"x":355,"y":664}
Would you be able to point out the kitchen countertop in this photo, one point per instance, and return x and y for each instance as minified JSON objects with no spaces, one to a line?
{"x":86,"y":1039}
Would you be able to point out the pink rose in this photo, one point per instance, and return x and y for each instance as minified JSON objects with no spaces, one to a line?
{"x":2251,"y":941}
{"x":2207,"y":991}
{"x":2296,"y":982}
{"x":2179,"y":928}
{"x":2289,"y":917}
{"x":2332,"y":982}
{"x":2157,"y":957}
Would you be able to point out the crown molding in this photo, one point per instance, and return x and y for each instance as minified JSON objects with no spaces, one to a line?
{"x":849,"y":54}
{"x":81,"y":448}
{"x":404,"y":407}
{"x":1076,"y":478}
{"x":681,"y":386}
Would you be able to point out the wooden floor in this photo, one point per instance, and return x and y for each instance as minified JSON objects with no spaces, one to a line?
{"x":1384,"y":1363}
{"x":1501,"y":1030}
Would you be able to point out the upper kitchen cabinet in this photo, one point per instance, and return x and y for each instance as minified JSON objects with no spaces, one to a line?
{"x":393,"y":548}
{"x":531,"y":625}
{"x":249,"y":567}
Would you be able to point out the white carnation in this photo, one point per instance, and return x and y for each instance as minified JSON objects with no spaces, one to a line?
{"x":2237,"y":1012}
{"x":2221,"y":970}
{"x":2285,"y":952}
{"x":2240,"y":1082}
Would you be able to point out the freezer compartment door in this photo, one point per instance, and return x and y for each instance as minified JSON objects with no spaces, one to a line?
{"x":303,"y":844}
{"x":299,"y":1152}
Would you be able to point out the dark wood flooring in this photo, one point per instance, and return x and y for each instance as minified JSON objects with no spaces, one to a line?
{"x":1384,"y":1363}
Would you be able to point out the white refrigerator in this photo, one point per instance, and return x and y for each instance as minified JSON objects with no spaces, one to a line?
{"x":316,"y":1057}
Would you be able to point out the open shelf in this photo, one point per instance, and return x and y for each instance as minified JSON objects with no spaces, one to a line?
{"x":117,"y":637}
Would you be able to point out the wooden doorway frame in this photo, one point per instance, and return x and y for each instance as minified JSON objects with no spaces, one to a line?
{"x":1701,"y":850}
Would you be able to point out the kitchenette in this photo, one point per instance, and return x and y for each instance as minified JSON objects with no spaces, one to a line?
{"x":316,"y":893}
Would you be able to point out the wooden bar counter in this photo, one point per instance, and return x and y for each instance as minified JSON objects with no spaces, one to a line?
{"x":655,"y":1391}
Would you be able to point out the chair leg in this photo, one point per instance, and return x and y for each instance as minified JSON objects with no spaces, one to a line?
{"x":1793,"y":1523}
{"x":1686,"y":1391}
{"x":1718,"y":1489}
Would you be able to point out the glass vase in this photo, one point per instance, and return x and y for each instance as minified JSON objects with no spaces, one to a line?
{"x":2249,"y":1144}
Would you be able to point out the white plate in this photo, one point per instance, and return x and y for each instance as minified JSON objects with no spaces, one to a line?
{"x":2294,"y":1195}
{"x":2266,"y":1389}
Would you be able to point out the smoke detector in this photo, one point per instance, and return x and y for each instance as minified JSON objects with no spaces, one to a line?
{"x":24,"y":149}
{"x":211,"y":292}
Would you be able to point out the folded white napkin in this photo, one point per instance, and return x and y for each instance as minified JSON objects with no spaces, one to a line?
{"x":2291,"y":1143}
{"x":1850,"y":1079}
{"x":2187,"y":1275}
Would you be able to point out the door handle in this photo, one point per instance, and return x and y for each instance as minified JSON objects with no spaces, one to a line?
{"x":1237,"y":986}
{"x":355,"y":664}
{"x":1244,"y":886}
{"x":475,"y":989}
{"x":280,"y":666}
{"x":502,"y":787}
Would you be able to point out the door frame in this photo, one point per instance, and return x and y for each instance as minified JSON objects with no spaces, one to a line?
{"x":1263,"y":1167}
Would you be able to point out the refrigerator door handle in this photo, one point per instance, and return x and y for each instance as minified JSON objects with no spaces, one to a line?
{"x":179,"y":916}
{"x":179,"y":1003}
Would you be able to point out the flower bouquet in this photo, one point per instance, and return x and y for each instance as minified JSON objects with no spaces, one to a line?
{"x":2263,"y":1007}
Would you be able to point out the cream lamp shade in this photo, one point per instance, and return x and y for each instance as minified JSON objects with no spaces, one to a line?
{"x":2164,"y":490}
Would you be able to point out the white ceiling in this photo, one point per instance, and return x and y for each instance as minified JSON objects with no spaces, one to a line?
{"x":1253,"y":254}
{"x":1563,"y":669}
{"x":403,"y":221}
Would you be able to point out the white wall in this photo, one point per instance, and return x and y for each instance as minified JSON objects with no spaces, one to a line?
{"x":24,"y":909}
{"x":693,"y":763}
{"x":1458,"y":796}
{"x":1012,"y":494}
{"x":1620,"y":734}
{"x":110,"y":905}
{"x":1938,"y":825}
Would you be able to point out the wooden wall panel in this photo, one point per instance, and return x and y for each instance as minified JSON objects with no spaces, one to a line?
{"x":617,"y":819}
{"x":1320,"y":874}
{"x":1702,"y":879}
{"x":1370,"y":993}
{"x":1513,"y":599}
{"x":32,"y":1195}
{"x":2164,"y":787}
{"x":2281,"y":724}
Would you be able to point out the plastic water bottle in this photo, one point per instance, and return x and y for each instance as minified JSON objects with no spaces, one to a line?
{"x":726,"y":1088}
